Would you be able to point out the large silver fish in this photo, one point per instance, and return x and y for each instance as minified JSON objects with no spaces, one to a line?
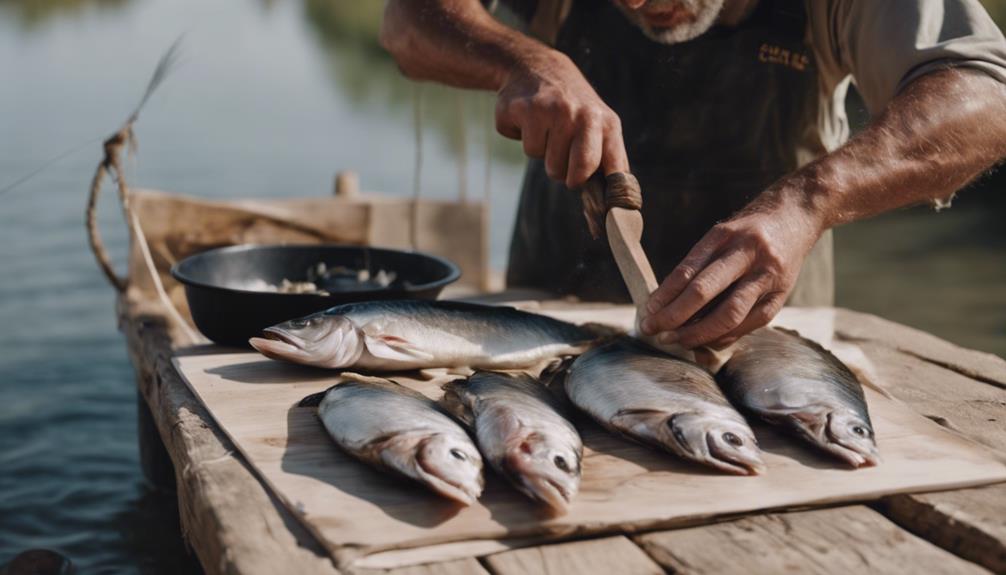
{"x":520,"y":428}
{"x":792,"y":381}
{"x":406,"y":334}
{"x":665,"y":402}
{"x":394,"y":428}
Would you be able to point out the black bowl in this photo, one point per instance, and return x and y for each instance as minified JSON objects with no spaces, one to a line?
{"x":229,"y":308}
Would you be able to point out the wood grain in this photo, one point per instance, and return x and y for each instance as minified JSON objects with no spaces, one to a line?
{"x":969,"y":522}
{"x":625,"y":229}
{"x":455,"y":567}
{"x":828,"y":541}
{"x":228,"y":517}
{"x":960,"y":389}
{"x":879,"y":332}
{"x":605,"y":556}
{"x":356,"y":511}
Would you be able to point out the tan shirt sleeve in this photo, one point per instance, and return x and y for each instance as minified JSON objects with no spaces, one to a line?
{"x":885,"y":44}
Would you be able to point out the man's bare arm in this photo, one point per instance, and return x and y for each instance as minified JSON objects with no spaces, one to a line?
{"x":455,"y":42}
{"x":544,"y":100}
{"x":941,"y":132}
{"x":944,"y":130}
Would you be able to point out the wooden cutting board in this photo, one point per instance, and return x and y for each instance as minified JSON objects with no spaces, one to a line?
{"x":370,"y":519}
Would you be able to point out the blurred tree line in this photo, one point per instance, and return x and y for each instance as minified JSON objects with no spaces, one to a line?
{"x":33,"y":12}
{"x":347,"y":32}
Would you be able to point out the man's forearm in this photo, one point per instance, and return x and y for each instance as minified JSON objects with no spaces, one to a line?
{"x":455,"y":42}
{"x":542,"y":97}
{"x":941,"y":132}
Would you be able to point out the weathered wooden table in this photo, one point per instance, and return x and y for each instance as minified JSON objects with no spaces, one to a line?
{"x":235,"y":525}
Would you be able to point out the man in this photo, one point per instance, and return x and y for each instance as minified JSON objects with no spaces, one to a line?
{"x":730,"y":113}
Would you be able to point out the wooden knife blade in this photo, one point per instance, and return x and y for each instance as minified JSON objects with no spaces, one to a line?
{"x":624,"y":228}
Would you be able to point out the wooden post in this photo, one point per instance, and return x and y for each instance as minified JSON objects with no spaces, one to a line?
{"x":155,"y":461}
{"x":347,"y":184}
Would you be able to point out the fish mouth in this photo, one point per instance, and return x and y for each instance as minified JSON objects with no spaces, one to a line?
{"x":276,"y":344}
{"x":851,"y":456}
{"x":720,"y":459}
{"x":276,"y":334}
{"x":463,"y":494}
{"x":547,"y":491}
{"x":854,"y":455}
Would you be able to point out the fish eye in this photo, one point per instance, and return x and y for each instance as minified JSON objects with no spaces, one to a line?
{"x":299,"y":323}
{"x":733,"y":439}
{"x":560,"y":462}
{"x":458,"y":454}
{"x":859,"y":430}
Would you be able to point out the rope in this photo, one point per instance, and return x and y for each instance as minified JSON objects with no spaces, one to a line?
{"x":600,"y":194}
{"x":111,"y":165}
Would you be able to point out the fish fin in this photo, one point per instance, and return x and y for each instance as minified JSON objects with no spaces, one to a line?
{"x":553,"y":378}
{"x":554,"y":374}
{"x":314,"y":400}
{"x":453,"y":402}
{"x":394,"y":348}
{"x":641,"y":424}
{"x":602,"y":331}
{"x":363,"y":378}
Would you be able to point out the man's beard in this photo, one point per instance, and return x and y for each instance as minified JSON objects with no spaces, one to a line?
{"x":703,"y":16}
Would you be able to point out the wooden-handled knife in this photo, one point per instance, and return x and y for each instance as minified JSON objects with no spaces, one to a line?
{"x":624,"y":229}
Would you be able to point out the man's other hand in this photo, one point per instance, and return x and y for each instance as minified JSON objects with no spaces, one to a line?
{"x":547,"y":104}
{"x":737,"y":277}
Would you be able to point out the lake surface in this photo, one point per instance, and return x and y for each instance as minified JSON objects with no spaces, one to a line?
{"x":271,"y":99}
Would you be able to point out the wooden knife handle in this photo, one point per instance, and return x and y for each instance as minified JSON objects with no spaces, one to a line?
{"x":624,"y":229}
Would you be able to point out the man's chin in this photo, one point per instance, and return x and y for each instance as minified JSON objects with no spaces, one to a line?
{"x":675,"y":35}
{"x":700,"y":18}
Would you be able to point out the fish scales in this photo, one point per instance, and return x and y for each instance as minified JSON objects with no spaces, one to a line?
{"x":664,"y":402}
{"x":522,"y":432}
{"x":397,"y":429}
{"x":417,"y":334}
{"x":789,"y":380}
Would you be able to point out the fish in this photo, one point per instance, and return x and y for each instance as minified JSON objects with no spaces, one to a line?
{"x":418,"y":334}
{"x":665,"y":402}
{"x":397,"y":429}
{"x":523,"y":433}
{"x":792,"y":381}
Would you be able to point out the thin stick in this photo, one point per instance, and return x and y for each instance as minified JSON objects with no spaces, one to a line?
{"x":111,"y":165}
{"x":417,"y":122}
{"x":462,"y":147}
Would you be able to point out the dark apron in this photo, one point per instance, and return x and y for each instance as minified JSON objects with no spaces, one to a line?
{"x":708,"y":124}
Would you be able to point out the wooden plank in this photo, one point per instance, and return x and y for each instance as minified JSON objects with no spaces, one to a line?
{"x":596,"y":556}
{"x":878,"y":332}
{"x":455,"y":567}
{"x":969,"y":522}
{"x":199,"y":442}
{"x":828,"y":541}
{"x":231,"y":521}
{"x":959,"y":389}
{"x":955,"y":401}
{"x":625,"y":486}
{"x":936,"y":388}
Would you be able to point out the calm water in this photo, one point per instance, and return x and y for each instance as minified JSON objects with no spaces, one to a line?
{"x":271,"y":99}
